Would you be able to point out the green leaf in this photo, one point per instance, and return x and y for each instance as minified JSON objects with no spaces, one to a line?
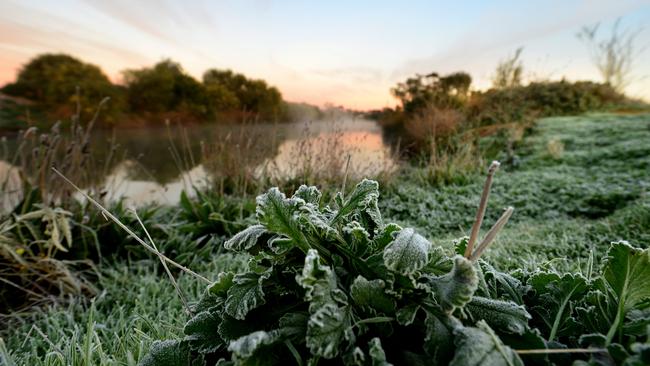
{"x":377,"y":354}
{"x":309,"y":194}
{"x":370,"y":294}
{"x":460,"y":245}
{"x":280,"y":245}
{"x":318,"y":280}
{"x":327,"y":328}
{"x":438,"y":340}
{"x":294,"y":326}
{"x":169,"y":353}
{"x":358,"y":238}
{"x":245,"y":346}
{"x":480,"y":346}
{"x":554,"y":300}
{"x":406,"y":315}
{"x":246,"y":239}
{"x":201,"y":332}
{"x":627,"y":271}
{"x":362,"y":198}
{"x":502,"y":285}
{"x":281,"y":215}
{"x":454,"y":289}
{"x":504,"y":316}
{"x":231,"y":329}
{"x":407,"y":253}
{"x":386,"y":235}
{"x":245,"y":294}
{"x":222,"y":284}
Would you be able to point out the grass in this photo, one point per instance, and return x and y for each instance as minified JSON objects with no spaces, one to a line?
{"x":135,"y":307}
{"x":576,"y":184}
{"x":594,"y":192}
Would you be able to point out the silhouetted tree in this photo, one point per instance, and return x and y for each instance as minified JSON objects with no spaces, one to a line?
{"x":421,"y":91}
{"x":59,"y":81}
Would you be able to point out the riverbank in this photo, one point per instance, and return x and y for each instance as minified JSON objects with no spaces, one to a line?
{"x":576,"y":184}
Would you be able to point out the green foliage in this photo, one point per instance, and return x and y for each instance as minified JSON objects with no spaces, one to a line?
{"x":52,"y":80}
{"x":540,"y":99}
{"x":338,"y":281}
{"x":342,"y":281}
{"x":418,"y":92}
{"x":232,"y":90}
{"x":165,"y":87}
{"x":59,"y":83}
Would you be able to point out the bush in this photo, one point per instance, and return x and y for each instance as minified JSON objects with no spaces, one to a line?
{"x":540,"y":99}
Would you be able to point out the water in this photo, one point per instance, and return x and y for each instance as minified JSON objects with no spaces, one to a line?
{"x":155,"y":164}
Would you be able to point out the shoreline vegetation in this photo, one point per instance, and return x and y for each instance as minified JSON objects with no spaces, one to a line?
{"x":56,"y":86}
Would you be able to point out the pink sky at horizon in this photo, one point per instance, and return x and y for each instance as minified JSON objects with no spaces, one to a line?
{"x":342,"y":53}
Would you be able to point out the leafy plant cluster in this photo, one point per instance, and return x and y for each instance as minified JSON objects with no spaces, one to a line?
{"x":334,"y":284}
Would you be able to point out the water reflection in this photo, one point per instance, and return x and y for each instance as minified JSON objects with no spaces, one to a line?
{"x":156,"y":164}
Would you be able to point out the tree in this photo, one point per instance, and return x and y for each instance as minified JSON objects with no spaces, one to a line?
{"x":59,"y":81}
{"x":250,"y":95}
{"x":421,"y":91}
{"x":613,"y":55}
{"x":508,"y":72}
{"x":166,"y":87}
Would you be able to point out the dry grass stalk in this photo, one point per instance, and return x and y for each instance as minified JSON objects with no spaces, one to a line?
{"x":109,"y":215}
{"x":480,"y":214}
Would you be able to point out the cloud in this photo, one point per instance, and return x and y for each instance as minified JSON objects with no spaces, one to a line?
{"x":514,"y":26}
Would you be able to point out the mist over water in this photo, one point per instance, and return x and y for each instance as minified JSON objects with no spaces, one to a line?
{"x":155,"y":164}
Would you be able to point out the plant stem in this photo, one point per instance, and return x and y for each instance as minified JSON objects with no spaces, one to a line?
{"x":480,"y":214}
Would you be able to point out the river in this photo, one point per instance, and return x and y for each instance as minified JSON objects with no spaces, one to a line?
{"x":155,"y":164}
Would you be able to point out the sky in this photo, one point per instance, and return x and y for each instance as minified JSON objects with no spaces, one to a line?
{"x":341,"y":52}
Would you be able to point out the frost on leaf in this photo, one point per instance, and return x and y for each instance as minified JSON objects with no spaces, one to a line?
{"x":407,"y":253}
{"x":454,"y":289}
{"x":246,"y":239}
{"x":363,"y":199}
{"x":318,"y":280}
{"x":169,"y":353}
{"x":327,"y":328}
{"x":627,"y":271}
{"x":377,"y":354}
{"x":222,"y":284}
{"x":406,"y":315}
{"x":438,"y":340}
{"x":309,"y":194}
{"x":480,"y":346}
{"x":504,"y":316}
{"x":245,"y":346}
{"x":245,"y":294}
{"x":200,"y":331}
{"x":281,"y":215}
{"x":555,"y":297}
{"x":371,"y":294}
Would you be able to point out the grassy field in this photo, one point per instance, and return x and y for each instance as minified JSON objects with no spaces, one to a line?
{"x":577,"y":183}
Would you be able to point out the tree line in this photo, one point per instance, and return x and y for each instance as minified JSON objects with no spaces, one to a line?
{"x":62,"y":85}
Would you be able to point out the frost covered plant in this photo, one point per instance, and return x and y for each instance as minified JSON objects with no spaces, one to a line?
{"x":332,"y":284}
